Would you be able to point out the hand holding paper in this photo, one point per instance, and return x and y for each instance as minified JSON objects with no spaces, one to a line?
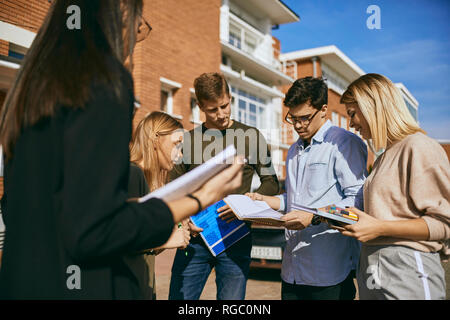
{"x":297,"y":219}
{"x":255,"y":211}
{"x":224,"y":170}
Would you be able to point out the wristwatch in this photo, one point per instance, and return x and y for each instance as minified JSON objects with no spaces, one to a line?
{"x":316,"y":220}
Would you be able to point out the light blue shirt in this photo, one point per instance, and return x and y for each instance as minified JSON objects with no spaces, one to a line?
{"x":331,"y":170}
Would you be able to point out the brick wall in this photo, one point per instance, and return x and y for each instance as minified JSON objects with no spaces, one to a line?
{"x":183,"y":44}
{"x":27,"y":14}
{"x":2,"y":100}
{"x":446,"y":147}
{"x":276,"y":47}
{"x":4,"y":47}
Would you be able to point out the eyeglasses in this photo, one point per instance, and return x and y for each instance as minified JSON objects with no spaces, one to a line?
{"x":304,"y":120}
{"x":143,"y":30}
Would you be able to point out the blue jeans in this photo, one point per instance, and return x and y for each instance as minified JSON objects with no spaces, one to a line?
{"x":191,"y":271}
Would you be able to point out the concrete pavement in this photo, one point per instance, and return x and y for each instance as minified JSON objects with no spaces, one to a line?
{"x":263,"y":284}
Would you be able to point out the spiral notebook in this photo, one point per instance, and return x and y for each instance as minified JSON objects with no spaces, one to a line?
{"x":254,"y":211}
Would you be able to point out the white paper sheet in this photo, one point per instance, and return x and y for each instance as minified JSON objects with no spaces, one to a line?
{"x":194,"y":179}
{"x":246,"y":208}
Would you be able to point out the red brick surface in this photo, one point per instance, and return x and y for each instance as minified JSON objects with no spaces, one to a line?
{"x":4,"y":47}
{"x":446,"y":147}
{"x":27,"y":14}
{"x":276,"y":47}
{"x":183,"y":44}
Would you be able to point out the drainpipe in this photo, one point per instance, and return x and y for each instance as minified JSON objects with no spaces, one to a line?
{"x":314,"y":60}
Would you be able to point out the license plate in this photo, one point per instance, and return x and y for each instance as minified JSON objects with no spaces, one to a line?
{"x":272,"y":253}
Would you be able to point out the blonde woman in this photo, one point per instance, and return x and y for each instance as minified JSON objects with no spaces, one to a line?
{"x":155,"y":147}
{"x":406,"y":218}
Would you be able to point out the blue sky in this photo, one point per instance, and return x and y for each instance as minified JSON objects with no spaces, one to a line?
{"x":412,"y":46}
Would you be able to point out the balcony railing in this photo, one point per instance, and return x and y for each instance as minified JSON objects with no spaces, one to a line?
{"x":251,"y":41}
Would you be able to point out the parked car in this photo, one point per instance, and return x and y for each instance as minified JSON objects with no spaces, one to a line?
{"x":267,"y":244}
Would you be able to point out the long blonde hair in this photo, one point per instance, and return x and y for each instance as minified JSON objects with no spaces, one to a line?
{"x":145,"y":141}
{"x":383,"y":107}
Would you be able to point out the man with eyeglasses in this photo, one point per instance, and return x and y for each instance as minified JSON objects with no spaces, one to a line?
{"x":326,"y":166}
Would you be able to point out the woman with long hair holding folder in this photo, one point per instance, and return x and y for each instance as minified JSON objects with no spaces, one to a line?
{"x":65,"y":129}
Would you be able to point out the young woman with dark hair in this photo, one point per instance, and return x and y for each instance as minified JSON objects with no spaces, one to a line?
{"x":65,"y":128}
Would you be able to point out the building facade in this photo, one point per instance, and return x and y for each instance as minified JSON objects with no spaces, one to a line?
{"x":183,"y":43}
{"x":446,"y":145}
{"x":250,"y":62}
{"x":339,"y":71}
{"x":188,"y":38}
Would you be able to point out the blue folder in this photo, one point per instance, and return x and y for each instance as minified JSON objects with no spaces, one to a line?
{"x":217,"y":233}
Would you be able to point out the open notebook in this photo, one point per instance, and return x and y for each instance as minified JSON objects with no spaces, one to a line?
{"x":255,"y":211}
{"x":194,"y":179}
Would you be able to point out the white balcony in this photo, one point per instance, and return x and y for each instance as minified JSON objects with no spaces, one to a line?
{"x":245,"y":37}
{"x":333,"y":79}
{"x":250,"y":49}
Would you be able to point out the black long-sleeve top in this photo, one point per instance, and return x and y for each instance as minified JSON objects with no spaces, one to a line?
{"x":65,"y":204}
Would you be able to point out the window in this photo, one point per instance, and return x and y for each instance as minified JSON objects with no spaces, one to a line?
{"x":242,"y":37}
{"x":195,"y":111}
{"x":17,"y":52}
{"x":168,"y":90}
{"x":235,"y":36}
{"x":250,"y":108}
{"x":164,"y":99}
{"x":411,"y":109}
{"x":250,"y":44}
{"x":335,"y":118}
{"x":344,"y":123}
{"x":333,"y":79}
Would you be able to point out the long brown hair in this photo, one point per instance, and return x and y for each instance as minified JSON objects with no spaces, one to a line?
{"x":62,"y":63}
{"x":144,"y":143}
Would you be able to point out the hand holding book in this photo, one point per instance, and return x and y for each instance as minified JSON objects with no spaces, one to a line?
{"x":297,"y":219}
{"x":225,"y":213}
